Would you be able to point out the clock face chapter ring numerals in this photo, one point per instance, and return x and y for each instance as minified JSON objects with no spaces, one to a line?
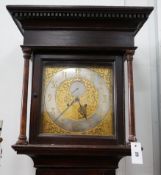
{"x":77,"y":99}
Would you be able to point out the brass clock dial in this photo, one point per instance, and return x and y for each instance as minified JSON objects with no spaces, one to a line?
{"x":77,"y":100}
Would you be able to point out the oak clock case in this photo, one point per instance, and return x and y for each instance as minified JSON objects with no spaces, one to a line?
{"x":77,"y":114}
{"x":77,"y":98}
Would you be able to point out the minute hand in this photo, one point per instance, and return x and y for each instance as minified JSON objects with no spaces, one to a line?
{"x":68,"y":106}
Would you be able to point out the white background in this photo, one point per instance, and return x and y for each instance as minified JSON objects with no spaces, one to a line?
{"x":147,"y":64}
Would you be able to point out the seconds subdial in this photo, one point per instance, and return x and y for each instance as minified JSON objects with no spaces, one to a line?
{"x":77,"y":89}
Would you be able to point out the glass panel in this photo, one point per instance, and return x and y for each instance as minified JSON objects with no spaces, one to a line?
{"x":77,"y":101}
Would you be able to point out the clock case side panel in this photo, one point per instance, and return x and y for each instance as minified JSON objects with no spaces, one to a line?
{"x":116,"y":61}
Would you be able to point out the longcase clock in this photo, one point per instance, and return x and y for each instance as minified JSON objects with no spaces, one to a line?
{"x":77,"y":114}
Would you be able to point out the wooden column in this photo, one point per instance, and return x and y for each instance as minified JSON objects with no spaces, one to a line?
{"x":131,"y":105}
{"x":22,"y":136}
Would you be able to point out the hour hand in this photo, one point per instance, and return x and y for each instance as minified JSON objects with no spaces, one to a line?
{"x":83,"y":110}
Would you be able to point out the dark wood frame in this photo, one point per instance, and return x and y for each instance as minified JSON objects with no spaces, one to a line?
{"x":116,"y":63}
